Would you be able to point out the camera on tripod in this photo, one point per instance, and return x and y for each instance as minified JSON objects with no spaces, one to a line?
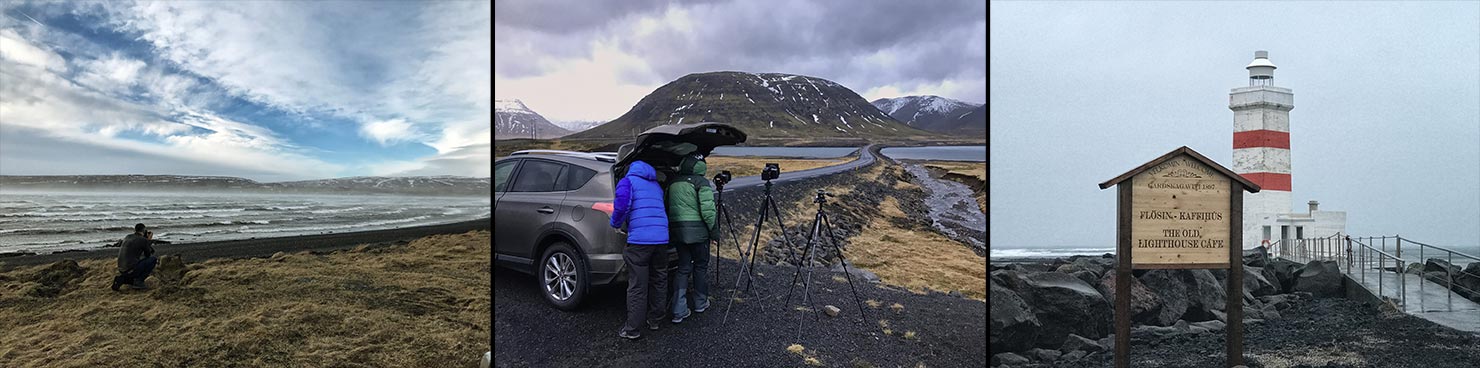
{"x":822,"y":196}
{"x":772,"y":171}
{"x":722,"y":178}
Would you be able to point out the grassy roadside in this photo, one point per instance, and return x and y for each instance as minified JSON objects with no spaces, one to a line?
{"x":425,"y":303}
{"x":915,"y":258}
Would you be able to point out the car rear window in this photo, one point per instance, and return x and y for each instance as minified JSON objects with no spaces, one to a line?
{"x":501,"y":173}
{"x":577,"y":176}
{"x":538,"y":176}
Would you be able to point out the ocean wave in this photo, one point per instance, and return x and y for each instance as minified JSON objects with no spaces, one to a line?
{"x":335,"y":227}
{"x":337,"y":210}
{"x":1049,"y":252}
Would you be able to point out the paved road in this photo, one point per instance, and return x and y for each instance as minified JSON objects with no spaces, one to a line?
{"x":194,"y":252}
{"x":865,"y":158}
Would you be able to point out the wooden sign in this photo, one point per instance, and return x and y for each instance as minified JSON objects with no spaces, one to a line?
{"x":1180,"y":216}
{"x":1180,"y":211}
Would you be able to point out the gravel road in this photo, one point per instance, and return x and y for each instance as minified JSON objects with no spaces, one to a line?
{"x":948,"y":331}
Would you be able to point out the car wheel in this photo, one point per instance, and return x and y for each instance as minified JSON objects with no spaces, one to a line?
{"x":563,"y":276}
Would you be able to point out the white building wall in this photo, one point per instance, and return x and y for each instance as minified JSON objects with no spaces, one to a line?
{"x":1261,"y":159}
{"x":1261,"y":209}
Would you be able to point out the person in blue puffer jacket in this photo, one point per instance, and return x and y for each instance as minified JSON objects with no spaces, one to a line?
{"x":639,"y":206}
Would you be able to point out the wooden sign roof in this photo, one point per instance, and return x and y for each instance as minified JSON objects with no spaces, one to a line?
{"x":1248,"y":185}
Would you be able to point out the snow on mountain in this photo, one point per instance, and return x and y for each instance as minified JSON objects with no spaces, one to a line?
{"x":512,"y":120}
{"x":764,"y":105}
{"x":932,"y":113}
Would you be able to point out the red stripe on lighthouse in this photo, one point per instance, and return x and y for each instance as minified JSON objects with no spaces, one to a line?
{"x":1269,"y":181}
{"x":1261,"y":138}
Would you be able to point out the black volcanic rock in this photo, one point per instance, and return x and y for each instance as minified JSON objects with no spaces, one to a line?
{"x":935,"y":113}
{"x":512,"y":119}
{"x":766,"y":105}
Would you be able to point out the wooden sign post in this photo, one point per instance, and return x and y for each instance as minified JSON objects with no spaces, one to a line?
{"x":1180,"y":211}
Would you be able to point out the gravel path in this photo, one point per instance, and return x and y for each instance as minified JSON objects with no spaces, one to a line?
{"x":949,"y":331}
{"x":194,"y":252}
{"x":1316,"y":333}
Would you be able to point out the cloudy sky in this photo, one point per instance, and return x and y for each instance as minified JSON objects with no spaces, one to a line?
{"x":1386,"y":124}
{"x":268,"y":90}
{"x":583,"y":60}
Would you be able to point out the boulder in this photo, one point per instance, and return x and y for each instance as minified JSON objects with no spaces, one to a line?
{"x":1145,"y":304}
{"x":1256,"y":257}
{"x":1089,"y":277}
{"x":831,"y":310}
{"x":1095,"y":264}
{"x":1438,"y":277}
{"x":1013,"y":327}
{"x":1008,"y":358}
{"x":1079,"y":343}
{"x":171,"y":269}
{"x":1169,"y":288}
{"x":1414,"y":268}
{"x":1279,"y":301}
{"x":1256,"y":284}
{"x":1469,"y":279}
{"x":1073,"y":355}
{"x":1067,"y":268}
{"x":1320,"y":278}
{"x":1029,"y":267}
{"x":1284,"y":271}
{"x":1065,"y":305}
{"x":1044,"y":355}
{"x":1204,"y":295}
{"x":1439,"y":265}
{"x":1011,"y":279}
{"x":1214,"y":325}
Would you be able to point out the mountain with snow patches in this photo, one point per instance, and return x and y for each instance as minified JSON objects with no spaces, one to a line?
{"x":935,"y":113}
{"x":579,"y":125}
{"x":766,"y":105}
{"x":513,"y":120}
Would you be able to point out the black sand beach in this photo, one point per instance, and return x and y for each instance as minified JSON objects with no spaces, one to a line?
{"x":263,"y":247}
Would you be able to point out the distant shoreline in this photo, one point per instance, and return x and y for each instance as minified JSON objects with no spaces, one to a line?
{"x":263,"y":247}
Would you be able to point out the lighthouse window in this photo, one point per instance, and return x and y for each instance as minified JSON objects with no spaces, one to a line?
{"x":1299,"y":232}
{"x":1266,"y":232}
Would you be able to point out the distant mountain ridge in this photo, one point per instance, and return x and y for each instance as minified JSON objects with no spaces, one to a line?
{"x":764,"y":105}
{"x":935,"y":113}
{"x":411,"y":185}
{"x":578,"y":126}
{"x":512,"y":120}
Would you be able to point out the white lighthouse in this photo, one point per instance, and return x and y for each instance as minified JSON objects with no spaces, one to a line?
{"x":1261,"y":153}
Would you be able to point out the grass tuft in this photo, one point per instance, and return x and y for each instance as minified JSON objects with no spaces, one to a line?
{"x":897,"y":308}
{"x":873,"y":303}
{"x":909,"y":335}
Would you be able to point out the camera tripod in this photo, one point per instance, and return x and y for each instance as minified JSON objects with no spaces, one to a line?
{"x":747,"y":270}
{"x":723,"y":215}
{"x":821,"y":228}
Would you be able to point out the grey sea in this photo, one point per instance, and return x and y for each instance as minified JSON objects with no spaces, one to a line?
{"x":45,"y":222}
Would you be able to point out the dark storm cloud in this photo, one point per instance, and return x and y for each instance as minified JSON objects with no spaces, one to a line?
{"x":846,"y":41}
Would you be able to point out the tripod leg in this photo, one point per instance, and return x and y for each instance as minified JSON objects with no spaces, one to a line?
{"x":734,"y":239}
{"x":805,"y":251}
{"x":844,"y":262}
{"x":807,"y":289}
{"x":741,"y":274}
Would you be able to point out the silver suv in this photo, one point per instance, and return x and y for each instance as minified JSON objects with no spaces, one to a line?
{"x":551,"y":215}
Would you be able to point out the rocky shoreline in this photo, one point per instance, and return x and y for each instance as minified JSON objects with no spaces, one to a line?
{"x":1060,"y":313}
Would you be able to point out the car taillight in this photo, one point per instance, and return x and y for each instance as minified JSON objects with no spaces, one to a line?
{"x":603,"y":207}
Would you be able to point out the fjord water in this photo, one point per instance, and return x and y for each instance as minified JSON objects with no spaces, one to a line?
{"x":44,"y":222}
{"x":943,"y":153}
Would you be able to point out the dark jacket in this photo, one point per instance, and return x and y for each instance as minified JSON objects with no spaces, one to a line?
{"x":639,"y":204}
{"x":134,"y":247}
{"x":691,"y":214}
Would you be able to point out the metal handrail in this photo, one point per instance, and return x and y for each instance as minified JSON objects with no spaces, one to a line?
{"x":1382,"y":263}
{"x":1448,"y":271}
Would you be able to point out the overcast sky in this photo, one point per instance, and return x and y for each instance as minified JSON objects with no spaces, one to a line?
{"x":592,"y":60}
{"x":1386,"y":124}
{"x":268,"y":90}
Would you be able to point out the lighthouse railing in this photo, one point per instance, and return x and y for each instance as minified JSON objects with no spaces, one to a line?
{"x":1365,"y":254}
{"x":1450,"y":269}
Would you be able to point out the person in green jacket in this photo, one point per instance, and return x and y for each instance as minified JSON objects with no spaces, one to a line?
{"x":691,"y":218}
